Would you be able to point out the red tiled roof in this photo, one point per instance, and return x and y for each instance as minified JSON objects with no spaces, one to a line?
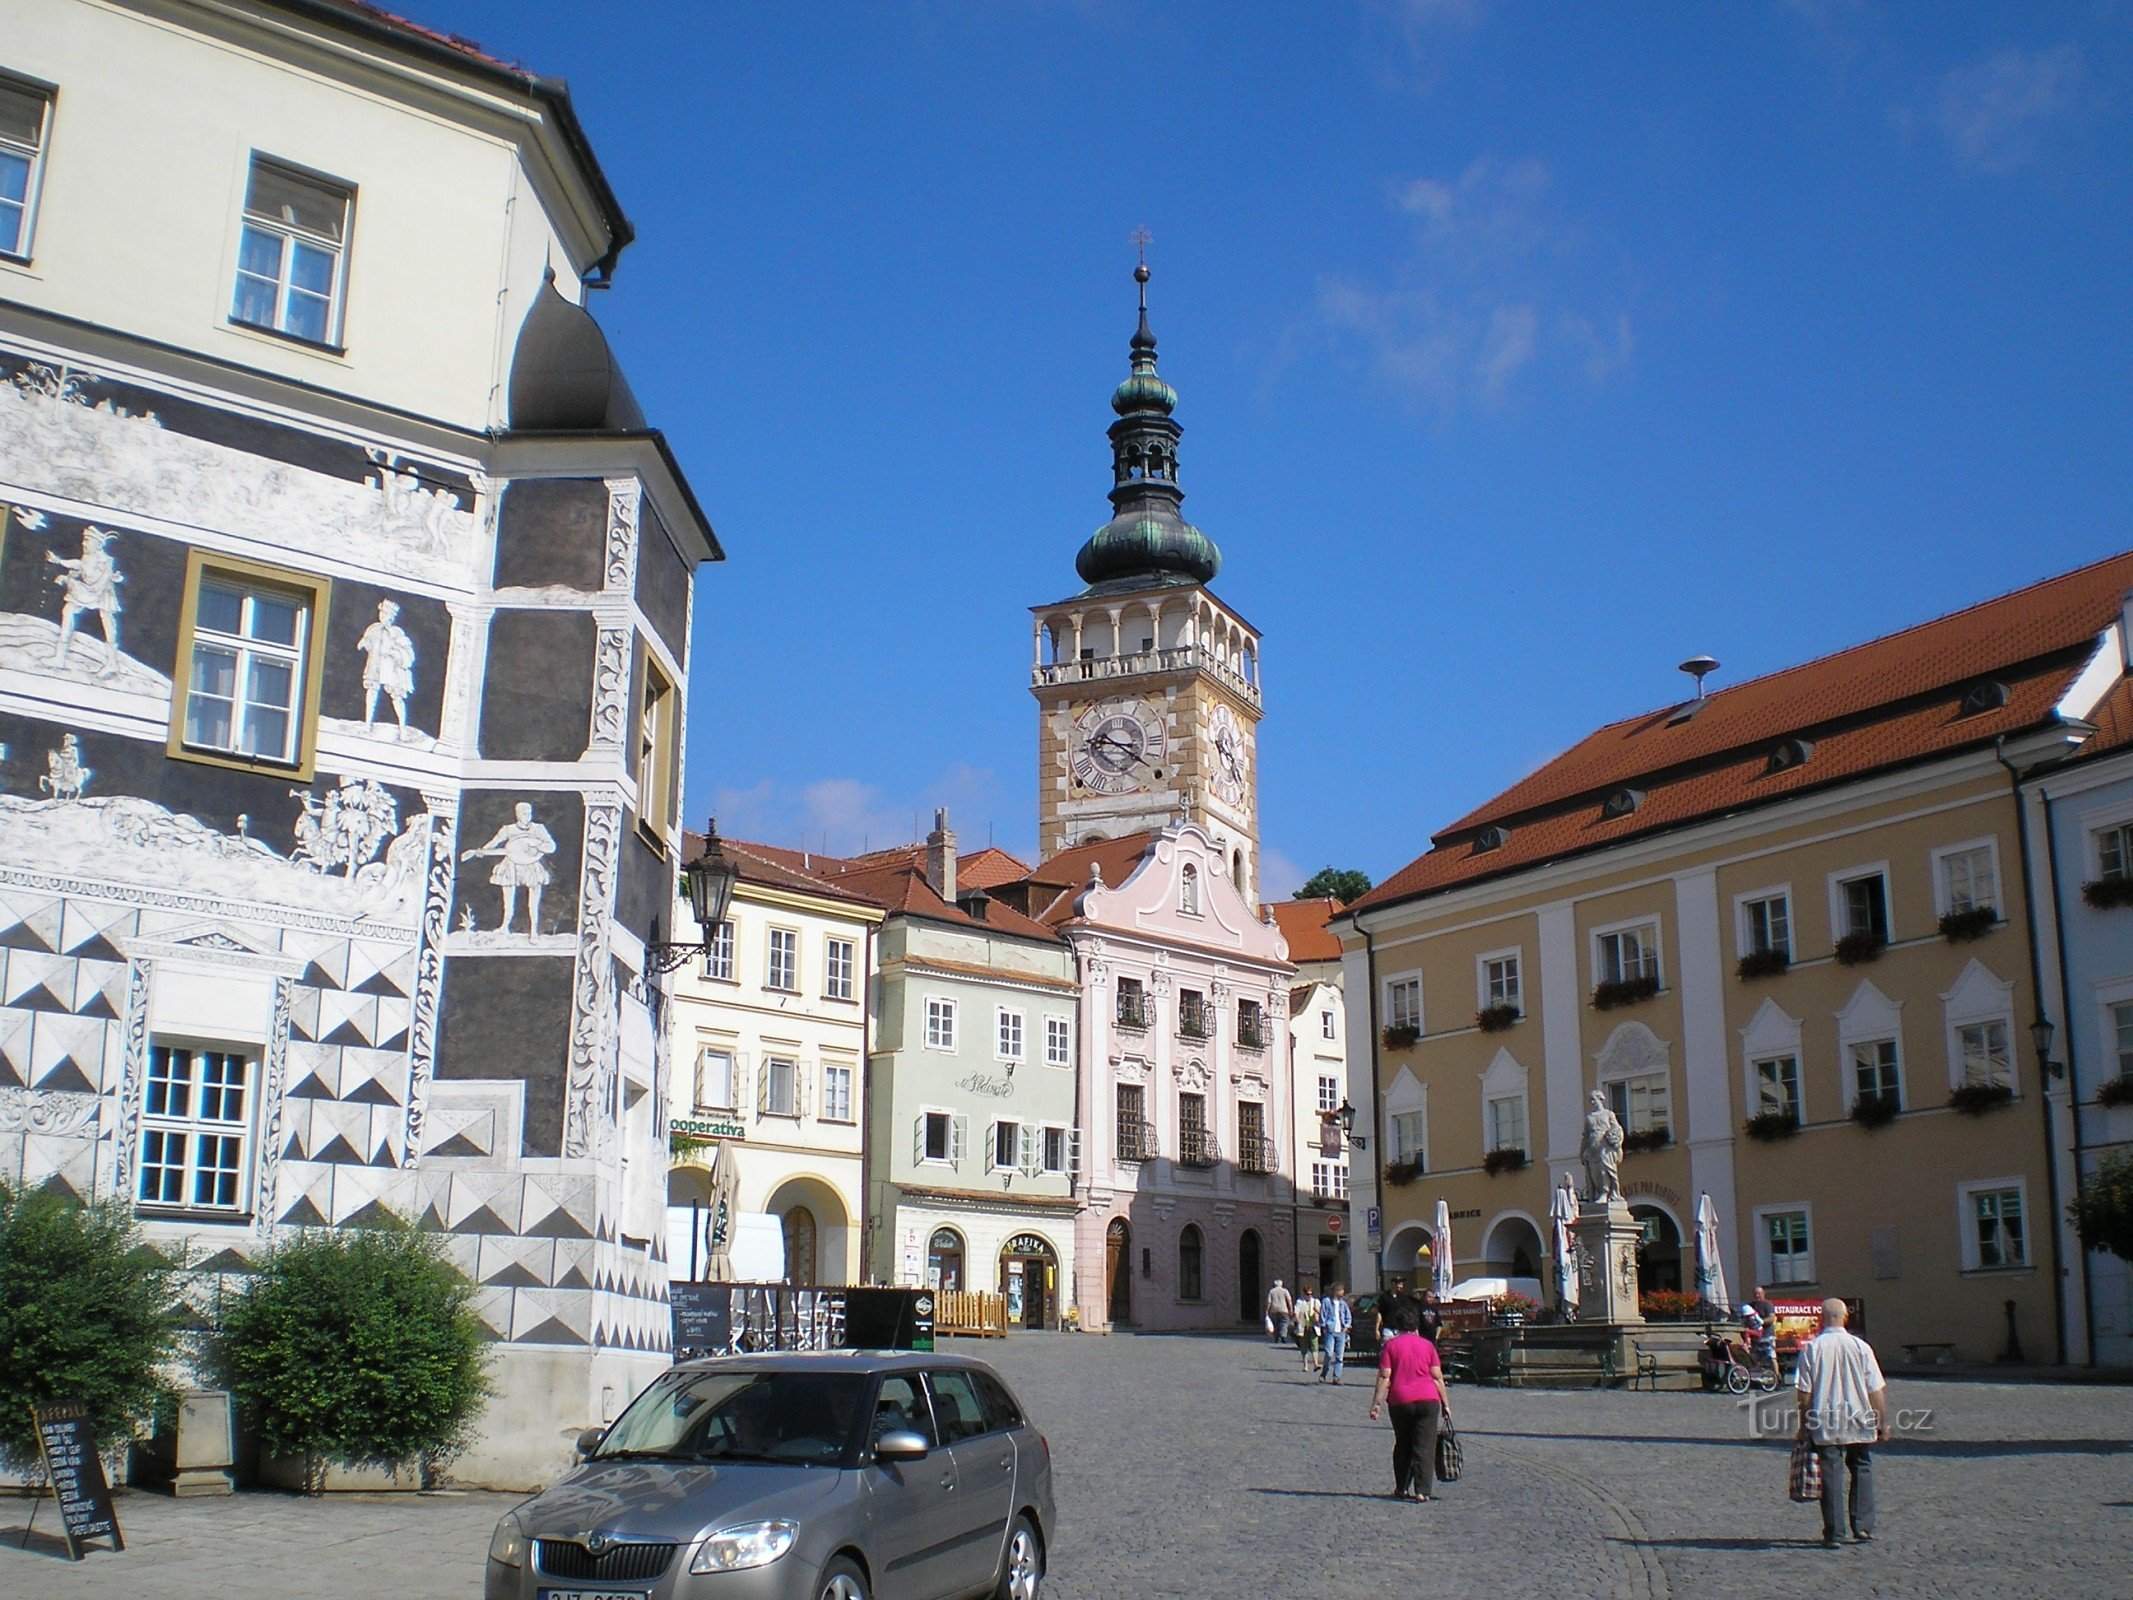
{"x":1876,"y":706}
{"x":1069,"y":869}
{"x":988,"y":869}
{"x":902,"y":887}
{"x":772,"y":867}
{"x":451,"y":41}
{"x":2114,"y":723}
{"x":1303,"y":924}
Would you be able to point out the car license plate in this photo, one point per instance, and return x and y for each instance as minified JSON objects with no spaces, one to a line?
{"x":592,"y":1594}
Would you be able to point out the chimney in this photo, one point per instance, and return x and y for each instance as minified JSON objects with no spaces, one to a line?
{"x":940,"y":857}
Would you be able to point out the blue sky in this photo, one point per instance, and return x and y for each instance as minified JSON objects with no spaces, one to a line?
{"x":1523,"y":351}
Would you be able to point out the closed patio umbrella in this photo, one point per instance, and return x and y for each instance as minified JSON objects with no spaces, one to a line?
{"x":721,"y":1217}
{"x":1440,"y":1251}
{"x":1710,"y":1271}
{"x":1562,"y":1212}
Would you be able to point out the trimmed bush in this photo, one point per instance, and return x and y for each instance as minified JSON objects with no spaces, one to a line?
{"x":2102,"y":1209}
{"x":358,"y":1345}
{"x":88,"y":1313}
{"x":1670,"y":1305}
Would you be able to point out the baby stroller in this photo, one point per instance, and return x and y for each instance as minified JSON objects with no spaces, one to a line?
{"x":1726,"y":1364}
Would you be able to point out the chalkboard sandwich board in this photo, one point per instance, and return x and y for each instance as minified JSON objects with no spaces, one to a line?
{"x":77,"y":1474}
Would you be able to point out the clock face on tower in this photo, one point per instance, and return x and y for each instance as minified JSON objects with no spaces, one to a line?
{"x":1230,"y":757}
{"x":1117,"y":746}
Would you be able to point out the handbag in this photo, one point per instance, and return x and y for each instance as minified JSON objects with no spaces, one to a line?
{"x":1805,"y":1484}
{"x":1451,"y":1456}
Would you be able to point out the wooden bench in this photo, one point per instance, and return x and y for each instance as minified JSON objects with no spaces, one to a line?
{"x":1936,"y":1352}
{"x":1644,"y":1369}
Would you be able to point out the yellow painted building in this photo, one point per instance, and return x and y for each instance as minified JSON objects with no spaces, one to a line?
{"x":1782,"y":929}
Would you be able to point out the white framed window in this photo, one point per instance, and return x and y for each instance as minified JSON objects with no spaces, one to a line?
{"x":25,"y":127}
{"x":658,"y":749}
{"x":2119,"y":1035}
{"x":291,"y":254}
{"x":938,"y":1137}
{"x":1329,"y":1092}
{"x":1009,"y":1044}
{"x":1403,"y":1001}
{"x":1058,"y":1042}
{"x":1777,"y":1087}
{"x":1407,"y":1135}
{"x":837,"y":968}
{"x":1006,"y":1146}
{"x":1626,"y":954}
{"x":1984,"y":1054}
{"x":778,"y":1088}
{"x":195,"y":1128}
{"x":1765,"y":922}
{"x":940,"y":1023}
{"x":1189,"y":890}
{"x":718,"y":960}
{"x":781,"y":964}
{"x":714,"y":1079}
{"x":836,"y":1092}
{"x":1330,"y":1178}
{"x":1966,"y":877}
{"x":1995,"y":1224}
{"x":1859,"y":902}
{"x":1784,"y":1242}
{"x":1643,"y":1102}
{"x":1506,"y":1118}
{"x":2113,"y":849}
{"x":1059,"y":1149}
{"x":1328,"y":1028}
{"x":249,"y":640}
{"x":1499,"y":981}
{"x":1877,"y":1073}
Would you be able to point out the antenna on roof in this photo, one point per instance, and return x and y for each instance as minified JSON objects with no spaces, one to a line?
{"x":1699,"y":668}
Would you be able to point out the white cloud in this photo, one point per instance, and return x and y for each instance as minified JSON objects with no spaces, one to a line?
{"x":846,"y":815}
{"x":1479,"y":299}
{"x":1994,"y":112}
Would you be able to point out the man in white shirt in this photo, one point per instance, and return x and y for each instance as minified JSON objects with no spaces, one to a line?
{"x":1844,"y":1409}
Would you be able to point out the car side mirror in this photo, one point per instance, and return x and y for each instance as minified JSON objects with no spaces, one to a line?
{"x":589,"y":1441}
{"x":902,"y":1445}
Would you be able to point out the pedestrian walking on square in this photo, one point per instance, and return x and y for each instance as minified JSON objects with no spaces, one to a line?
{"x":1765,"y":1347}
{"x":1335,"y":1318}
{"x":1844,"y":1410}
{"x":1280,"y":1306}
{"x":1411,"y":1387}
{"x":1307,"y":1329}
{"x":1429,"y":1321}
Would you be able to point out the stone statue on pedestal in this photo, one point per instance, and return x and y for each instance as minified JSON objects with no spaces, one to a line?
{"x":1602,"y":1153}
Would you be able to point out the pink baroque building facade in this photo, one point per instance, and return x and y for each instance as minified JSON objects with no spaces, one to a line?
{"x":1188,"y":1179}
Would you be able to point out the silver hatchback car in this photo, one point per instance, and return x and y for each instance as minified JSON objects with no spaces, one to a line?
{"x":851,"y":1475}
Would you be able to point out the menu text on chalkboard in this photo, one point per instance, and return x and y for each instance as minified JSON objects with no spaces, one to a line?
{"x":77,"y":1473}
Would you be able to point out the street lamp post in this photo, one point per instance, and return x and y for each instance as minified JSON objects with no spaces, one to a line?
{"x":708,"y":884}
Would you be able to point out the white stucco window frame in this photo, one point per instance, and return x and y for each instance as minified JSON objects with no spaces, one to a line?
{"x":1867,"y":1017}
{"x":1979,"y":995}
{"x":1966,"y":1224}
{"x":1386,"y":986}
{"x":1772,"y":1032}
{"x":951,"y":1012}
{"x":1506,"y":1078}
{"x":1000,"y":1017}
{"x":2093,"y":821}
{"x":957,"y":1138}
{"x":1759,"y":1219}
{"x":2106,"y":994}
{"x":1407,"y":1095}
{"x":1743,"y":940}
{"x":1844,"y":875}
{"x":1064,"y":1025}
{"x":1940,"y":856}
{"x":1481,"y":975}
{"x":1651,"y":920}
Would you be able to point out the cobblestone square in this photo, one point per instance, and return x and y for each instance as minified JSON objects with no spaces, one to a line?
{"x":1195,"y":1466}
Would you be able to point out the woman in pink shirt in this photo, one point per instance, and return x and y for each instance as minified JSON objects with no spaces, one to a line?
{"x":1411,"y":1382}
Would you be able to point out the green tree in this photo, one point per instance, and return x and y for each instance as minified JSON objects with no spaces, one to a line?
{"x":2102,"y":1209}
{"x":358,"y":1345}
{"x":88,"y":1315}
{"x":1344,"y":884}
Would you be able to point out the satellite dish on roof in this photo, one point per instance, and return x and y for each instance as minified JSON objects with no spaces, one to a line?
{"x":1699,"y":668}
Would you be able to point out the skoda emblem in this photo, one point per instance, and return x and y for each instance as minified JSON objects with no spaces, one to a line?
{"x":596,"y":1543}
{"x":925,"y":1305}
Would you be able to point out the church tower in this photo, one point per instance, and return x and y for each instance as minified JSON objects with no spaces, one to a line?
{"x":1147,"y":685}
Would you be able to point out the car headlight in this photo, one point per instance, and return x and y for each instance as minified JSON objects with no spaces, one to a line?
{"x":508,"y":1544}
{"x":753,"y":1544}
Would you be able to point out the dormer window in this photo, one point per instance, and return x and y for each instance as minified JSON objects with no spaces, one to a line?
{"x":1790,"y":753}
{"x":1621,"y":803}
{"x":1981,"y":697}
{"x":1493,"y":837}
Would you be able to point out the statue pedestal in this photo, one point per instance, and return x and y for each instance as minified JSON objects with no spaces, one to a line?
{"x":1607,"y":1236}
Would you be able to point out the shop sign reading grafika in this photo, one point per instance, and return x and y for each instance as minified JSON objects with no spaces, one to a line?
{"x":708,"y":1128}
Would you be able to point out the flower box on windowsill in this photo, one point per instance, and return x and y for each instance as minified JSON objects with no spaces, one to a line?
{"x":1764,"y":963}
{"x":1399,"y":1174}
{"x":1508,"y":1159}
{"x":1623,"y":992}
{"x":1855,"y":948}
{"x":1975,"y":1099}
{"x":2104,"y":893}
{"x":1957,"y":927}
{"x":1771,"y":1126}
{"x":1494,"y":1019}
{"x":1402,"y":1036}
{"x":1646,"y":1139}
{"x":1874,"y":1110}
{"x":2117,"y":1092}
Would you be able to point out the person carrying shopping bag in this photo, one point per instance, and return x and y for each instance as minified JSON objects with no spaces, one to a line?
{"x":1411,"y":1387}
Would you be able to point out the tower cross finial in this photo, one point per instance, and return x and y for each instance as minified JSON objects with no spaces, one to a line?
{"x":1141,"y":239}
